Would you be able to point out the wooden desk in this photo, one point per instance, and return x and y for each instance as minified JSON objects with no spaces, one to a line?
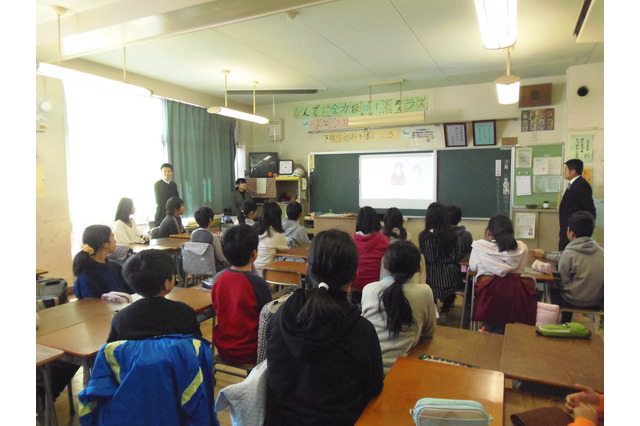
{"x":516,"y":401}
{"x":198,"y":298}
{"x":160,"y":244}
{"x":40,"y":271}
{"x":72,"y":313}
{"x":285,"y":264}
{"x":183,"y":236}
{"x":300,"y":252}
{"x":412,"y":379}
{"x":44,"y":356}
{"x":554,"y":361}
{"x":337,"y":221}
{"x":469,"y":347}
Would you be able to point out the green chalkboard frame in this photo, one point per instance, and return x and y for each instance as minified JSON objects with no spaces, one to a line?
{"x":465,"y":177}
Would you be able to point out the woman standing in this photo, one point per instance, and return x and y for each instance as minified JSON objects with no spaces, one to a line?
{"x":439,"y":245}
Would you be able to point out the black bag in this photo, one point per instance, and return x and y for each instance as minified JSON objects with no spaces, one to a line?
{"x":50,"y":292}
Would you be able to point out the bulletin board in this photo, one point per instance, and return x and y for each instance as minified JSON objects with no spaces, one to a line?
{"x":538,"y":175}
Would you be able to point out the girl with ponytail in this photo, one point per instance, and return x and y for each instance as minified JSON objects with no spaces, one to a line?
{"x":402,"y":311}
{"x":247,"y":213}
{"x":324,"y":363}
{"x":95,"y":273}
{"x":499,"y":254}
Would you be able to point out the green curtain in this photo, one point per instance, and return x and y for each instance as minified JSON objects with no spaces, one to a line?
{"x":201,"y":148}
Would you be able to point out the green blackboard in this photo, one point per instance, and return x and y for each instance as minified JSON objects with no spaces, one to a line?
{"x":465,"y":177}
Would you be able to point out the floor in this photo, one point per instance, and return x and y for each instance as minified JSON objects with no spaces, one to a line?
{"x":223,"y":380}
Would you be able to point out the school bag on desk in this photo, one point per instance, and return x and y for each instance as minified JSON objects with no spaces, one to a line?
{"x":449,"y":412}
{"x":50,"y":292}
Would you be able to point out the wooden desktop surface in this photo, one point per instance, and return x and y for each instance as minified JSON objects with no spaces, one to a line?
{"x":469,"y":347}
{"x":300,"y":267}
{"x":412,"y":379}
{"x":45,"y":355}
{"x":71,"y":313}
{"x":183,"y":236}
{"x":301,"y":252}
{"x":198,"y":298}
{"x":40,"y":271}
{"x":553,"y":361}
{"x":167,"y":243}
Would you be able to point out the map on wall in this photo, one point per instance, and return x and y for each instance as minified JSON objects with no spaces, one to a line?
{"x":536,"y":120}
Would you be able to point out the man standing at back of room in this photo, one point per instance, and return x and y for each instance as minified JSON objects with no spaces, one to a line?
{"x":164,"y":189}
{"x":577,"y":197}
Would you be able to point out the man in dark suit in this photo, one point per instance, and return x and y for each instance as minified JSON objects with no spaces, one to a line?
{"x":164,"y":189}
{"x":577,"y":197}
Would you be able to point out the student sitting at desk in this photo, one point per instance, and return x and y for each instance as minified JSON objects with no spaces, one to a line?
{"x":439,"y":245}
{"x":371,"y":244}
{"x":581,"y":267}
{"x":401,"y":311}
{"x":499,"y":254}
{"x":204,"y":217}
{"x":394,"y":226}
{"x":150,"y":274}
{"x":272,"y":238}
{"x":172,"y":223}
{"x":465,"y":239}
{"x":237,"y":297}
{"x":125,"y":230}
{"x":247,"y":213}
{"x":95,"y":273}
{"x":324,"y":359}
{"x":295,"y":233}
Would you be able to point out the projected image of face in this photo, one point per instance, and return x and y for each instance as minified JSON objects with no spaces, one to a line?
{"x":398,"y":177}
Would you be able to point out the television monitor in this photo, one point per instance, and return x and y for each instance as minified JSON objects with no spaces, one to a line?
{"x":263,"y":164}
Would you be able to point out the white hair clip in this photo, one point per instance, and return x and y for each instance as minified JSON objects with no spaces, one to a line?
{"x":323,"y":285}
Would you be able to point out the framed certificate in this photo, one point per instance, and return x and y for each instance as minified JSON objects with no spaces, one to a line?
{"x":455,"y":134}
{"x":484,"y":132}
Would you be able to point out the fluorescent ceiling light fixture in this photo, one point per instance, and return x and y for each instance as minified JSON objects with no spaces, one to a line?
{"x":228,"y":112}
{"x":498,"y":21}
{"x":386,"y":120}
{"x":68,"y":74}
{"x":508,"y":86}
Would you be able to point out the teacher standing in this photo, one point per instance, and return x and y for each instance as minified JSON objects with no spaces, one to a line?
{"x":239,"y":196}
{"x":164,"y":189}
{"x":577,"y":197}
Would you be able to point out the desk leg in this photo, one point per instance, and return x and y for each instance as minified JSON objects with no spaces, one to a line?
{"x":465,"y":300}
{"x":50,"y":416}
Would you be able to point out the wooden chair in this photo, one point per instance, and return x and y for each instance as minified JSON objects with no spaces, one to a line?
{"x":501,"y":300}
{"x":282,"y":277}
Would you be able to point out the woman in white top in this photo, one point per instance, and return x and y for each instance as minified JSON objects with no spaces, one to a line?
{"x":499,"y":254}
{"x":124,"y":229}
{"x":272,"y":238}
{"x":401,"y":310}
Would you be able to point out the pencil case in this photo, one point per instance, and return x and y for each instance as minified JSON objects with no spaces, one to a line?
{"x":449,"y":412}
{"x":569,"y":329}
{"x":543,"y":267}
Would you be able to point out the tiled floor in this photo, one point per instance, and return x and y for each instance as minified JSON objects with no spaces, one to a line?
{"x":223,"y":380}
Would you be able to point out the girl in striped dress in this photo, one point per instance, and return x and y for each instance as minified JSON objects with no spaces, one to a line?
{"x":439,"y":244}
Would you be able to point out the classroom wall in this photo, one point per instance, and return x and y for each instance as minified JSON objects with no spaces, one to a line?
{"x":446,"y":104}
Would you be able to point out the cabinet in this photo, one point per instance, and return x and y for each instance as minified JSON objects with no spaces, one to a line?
{"x":282,"y":189}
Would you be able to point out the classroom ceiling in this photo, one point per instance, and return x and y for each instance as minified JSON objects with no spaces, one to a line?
{"x":337,"y":47}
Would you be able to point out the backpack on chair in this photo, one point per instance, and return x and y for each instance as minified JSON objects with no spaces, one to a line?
{"x":50,"y":292}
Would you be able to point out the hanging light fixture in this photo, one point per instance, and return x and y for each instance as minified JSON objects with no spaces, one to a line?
{"x":508,"y":86}
{"x":228,"y":112}
{"x":498,"y":21}
{"x":63,"y":73}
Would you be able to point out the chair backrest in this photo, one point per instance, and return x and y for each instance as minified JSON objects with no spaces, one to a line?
{"x":122,"y":253}
{"x":266,"y":313}
{"x":198,"y":258}
{"x":282,"y":277}
{"x":178,"y":368}
{"x":502,"y":300}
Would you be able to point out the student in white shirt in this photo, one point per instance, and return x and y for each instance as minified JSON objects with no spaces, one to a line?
{"x":272,"y":238}
{"x":124,"y":228}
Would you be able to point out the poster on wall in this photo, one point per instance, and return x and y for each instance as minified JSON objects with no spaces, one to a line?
{"x":536,"y":120}
{"x":580,"y":147}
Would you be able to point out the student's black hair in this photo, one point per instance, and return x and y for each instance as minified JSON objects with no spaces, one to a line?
{"x":166,"y":165}
{"x":437,"y":220}
{"x":575,"y":164}
{"x":582,"y":223}
{"x":240,"y":180}
{"x":294,"y":210}
{"x":367,"y":220}
{"x":123,"y":212}
{"x":501,"y":228}
{"x":203,"y":216}
{"x":402,"y":260}
{"x":94,"y":237}
{"x":271,"y":217}
{"x":238,"y":244}
{"x":173,"y":205}
{"x":333,"y":260}
{"x":246,"y":208}
{"x":147,"y":271}
{"x":393,"y":219}
{"x":455,"y":214}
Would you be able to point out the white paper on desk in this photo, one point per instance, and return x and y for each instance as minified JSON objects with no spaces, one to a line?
{"x":261,"y":186}
{"x":523,"y":185}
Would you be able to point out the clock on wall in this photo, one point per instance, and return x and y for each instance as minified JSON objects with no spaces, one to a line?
{"x":285,"y":167}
